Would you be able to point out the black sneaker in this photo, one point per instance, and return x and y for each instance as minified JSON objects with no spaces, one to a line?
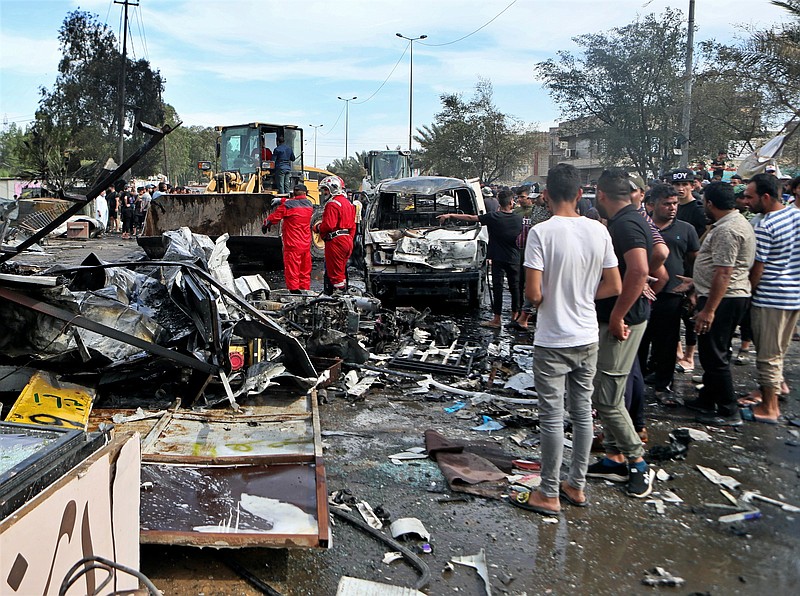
{"x":614,"y":473}
{"x":712,"y":419}
{"x":699,"y":405}
{"x":640,"y":484}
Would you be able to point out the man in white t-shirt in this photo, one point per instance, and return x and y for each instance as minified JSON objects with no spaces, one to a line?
{"x":570,"y":262}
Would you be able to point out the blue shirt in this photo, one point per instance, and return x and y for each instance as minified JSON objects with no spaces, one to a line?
{"x":283,"y":156}
{"x":777,"y":247}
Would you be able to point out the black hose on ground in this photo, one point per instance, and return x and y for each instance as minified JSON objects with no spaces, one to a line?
{"x":413,"y":559}
{"x":249,"y":577}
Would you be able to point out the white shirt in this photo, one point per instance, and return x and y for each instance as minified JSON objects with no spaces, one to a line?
{"x":571,"y":253}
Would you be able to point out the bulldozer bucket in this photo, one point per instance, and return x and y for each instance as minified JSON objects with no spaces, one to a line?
{"x":238,"y":214}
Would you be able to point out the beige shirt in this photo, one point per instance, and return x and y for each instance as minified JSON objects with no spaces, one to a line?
{"x":729,"y":242}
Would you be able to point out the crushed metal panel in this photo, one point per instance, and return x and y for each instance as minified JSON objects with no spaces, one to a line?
{"x":47,"y":400}
{"x":439,"y":249}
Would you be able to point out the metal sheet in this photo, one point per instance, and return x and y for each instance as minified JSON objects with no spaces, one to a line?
{"x":222,"y":440}
{"x":47,"y":400}
{"x":258,"y":505}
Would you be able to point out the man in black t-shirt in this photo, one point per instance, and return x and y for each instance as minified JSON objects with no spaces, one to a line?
{"x":664,"y":329}
{"x":689,"y":209}
{"x":504,"y":227}
{"x":623,"y":320}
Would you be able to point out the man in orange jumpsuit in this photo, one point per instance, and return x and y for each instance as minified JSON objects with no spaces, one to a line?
{"x":338,"y":229}
{"x":295,"y":213}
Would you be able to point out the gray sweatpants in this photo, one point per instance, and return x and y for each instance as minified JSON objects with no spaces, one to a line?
{"x":614,"y":363}
{"x":556,"y":371}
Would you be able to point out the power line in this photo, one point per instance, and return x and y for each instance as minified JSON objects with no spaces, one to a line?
{"x":388,"y":77}
{"x":339,"y":117}
{"x":486,"y":24}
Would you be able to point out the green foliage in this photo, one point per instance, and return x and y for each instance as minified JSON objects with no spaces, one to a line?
{"x":12,"y":145}
{"x":626,"y":84}
{"x":473,"y":139}
{"x":79,"y":116}
{"x":725,"y":104}
{"x":351,"y":170}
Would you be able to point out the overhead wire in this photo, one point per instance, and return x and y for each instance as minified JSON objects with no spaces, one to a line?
{"x":486,"y":24}
{"x":396,"y":64}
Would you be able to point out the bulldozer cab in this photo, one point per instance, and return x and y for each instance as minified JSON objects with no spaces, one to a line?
{"x":247,"y":149}
{"x":385,"y":165}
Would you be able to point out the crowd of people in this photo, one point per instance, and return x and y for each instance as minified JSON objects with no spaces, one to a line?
{"x":610,"y":284}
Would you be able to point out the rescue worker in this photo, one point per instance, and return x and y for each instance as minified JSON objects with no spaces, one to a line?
{"x":338,"y":229}
{"x":295,"y":212}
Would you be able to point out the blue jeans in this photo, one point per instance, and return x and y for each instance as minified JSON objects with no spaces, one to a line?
{"x":284,"y":180}
{"x":556,"y":371}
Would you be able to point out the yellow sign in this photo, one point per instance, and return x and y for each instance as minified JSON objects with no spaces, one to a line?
{"x":46,"y":400}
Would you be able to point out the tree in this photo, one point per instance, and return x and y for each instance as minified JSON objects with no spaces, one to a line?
{"x":473,"y":139}
{"x":351,"y":170}
{"x":11,"y":149}
{"x":770,"y":61}
{"x":627,"y":83}
{"x":79,"y":115}
{"x":725,"y":106}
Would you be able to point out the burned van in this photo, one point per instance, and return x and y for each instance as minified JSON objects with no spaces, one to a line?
{"x":409,"y":253}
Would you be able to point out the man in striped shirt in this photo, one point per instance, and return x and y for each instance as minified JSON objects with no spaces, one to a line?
{"x":775,"y":278}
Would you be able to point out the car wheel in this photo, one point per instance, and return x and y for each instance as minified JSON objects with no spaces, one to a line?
{"x":317,"y":244}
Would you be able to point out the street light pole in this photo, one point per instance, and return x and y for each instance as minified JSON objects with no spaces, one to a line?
{"x":346,"y":101}
{"x":315,"y":127}
{"x":686,"y":118}
{"x":411,"y":41}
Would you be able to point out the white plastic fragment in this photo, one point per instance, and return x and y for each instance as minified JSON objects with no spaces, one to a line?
{"x":392,"y":556}
{"x":353,"y":586}
{"x":748,"y":496}
{"x":409,"y":525}
{"x":361,"y":387}
{"x":368,"y":514}
{"x":477,"y":562}
{"x":139,"y":414}
{"x":662,"y":475}
{"x":727,"y":481}
{"x":670,"y":497}
{"x":408,"y":454}
{"x":661,"y":577}
{"x":521,"y":382}
{"x":697,"y":435}
{"x":350,"y":379}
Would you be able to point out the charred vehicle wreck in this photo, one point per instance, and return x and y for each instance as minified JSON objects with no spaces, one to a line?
{"x":408,"y":252}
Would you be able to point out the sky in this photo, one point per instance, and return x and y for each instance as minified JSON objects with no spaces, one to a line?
{"x":235,"y":61}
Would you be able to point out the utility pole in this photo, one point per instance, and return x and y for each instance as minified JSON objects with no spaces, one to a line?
{"x":121,"y":123}
{"x":315,"y":127}
{"x":347,"y":121}
{"x":411,"y":41}
{"x":687,"y":89}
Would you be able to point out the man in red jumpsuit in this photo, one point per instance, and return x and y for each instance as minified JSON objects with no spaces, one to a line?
{"x":338,"y":229}
{"x":295,"y":212}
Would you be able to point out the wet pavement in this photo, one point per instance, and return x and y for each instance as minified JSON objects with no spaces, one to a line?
{"x":604,"y":549}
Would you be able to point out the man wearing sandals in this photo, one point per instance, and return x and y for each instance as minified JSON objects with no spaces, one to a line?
{"x":569,"y":263}
{"x":775,"y":278}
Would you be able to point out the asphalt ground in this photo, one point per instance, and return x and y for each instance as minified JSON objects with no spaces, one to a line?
{"x":606,"y":548}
